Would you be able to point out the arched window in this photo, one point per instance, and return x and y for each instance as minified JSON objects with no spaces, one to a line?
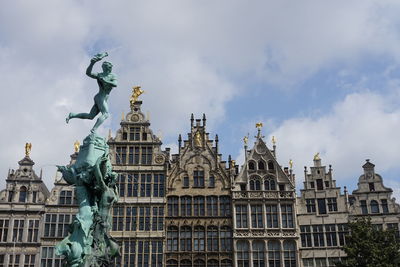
{"x":212,"y":238}
{"x":242,"y":253}
{"x":172,"y":263}
{"x":186,"y":206}
{"x":212,"y":263}
{"x":252,"y":166}
{"x":274,"y":254}
{"x":172,"y":238}
{"x":22,"y":194}
{"x":226,"y":263}
{"x":186,"y":263}
{"x":269,"y":184}
{"x":374,"y":206}
{"x":186,"y":238}
{"x":289,"y":253}
{"x":261,"y":165}
{"x":258,"y":254}
{"x":255,"y":184}
{"x":199,"y":238}
{"x":226,"y":238}
{"x":271,"y":165}
{"x":199,"y":263}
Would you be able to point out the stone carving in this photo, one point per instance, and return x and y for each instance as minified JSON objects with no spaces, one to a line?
{"x":88,"y":242}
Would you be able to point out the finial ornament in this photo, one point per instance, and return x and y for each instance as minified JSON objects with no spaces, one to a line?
{"x":76,"y":146}
{"x":136,"y":92}
{"x":28,"y":148}
{"x":316,"y":156}
{"x":273,"y":140}
{"x":259,"y":125}
{"x":291,"y":164}
{"x":245,"y":140}
{"x":123,"y":116}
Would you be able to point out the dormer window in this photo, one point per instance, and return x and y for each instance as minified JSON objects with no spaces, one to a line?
{"x":271,"y":165}
{"x":22,"y":194}
{"x":269,"y":184}
{"x":374,"y":206}
{"x":252,"y":165}
{"x":261,"y":165}
{"x":371,"y":187}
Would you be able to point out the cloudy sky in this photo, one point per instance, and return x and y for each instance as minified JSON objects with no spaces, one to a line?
{"x":323,"y":76}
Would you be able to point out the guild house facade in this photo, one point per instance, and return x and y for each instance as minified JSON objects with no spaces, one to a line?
{"x":194,"y":208}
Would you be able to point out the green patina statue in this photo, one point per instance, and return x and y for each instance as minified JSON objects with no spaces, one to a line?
{"x":89,"y":242}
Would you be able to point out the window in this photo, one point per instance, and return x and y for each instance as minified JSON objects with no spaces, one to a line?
{"x":256,"y":216}
{"x":186,"y":263}
{"x":121,"y":155}
{"x":332,"y":262}
{"x":121,"y":185}
{"x":320,"y":185}
{"x":143,"y":253}
{"x":18,"y":230}
{"x":29,"y":260}
{"x":22,"y":194}
{"x":2,"y":256}
{"x":124,"y":135}
{"x":308,"y":262}
{"x":212,"y":238}
{"x":186,"y":206}
{"x":225,"y":206}
{"x":156,"y":254}
{"x":133,"y":185}
{"x":145,"y":184}
{"x":226,"y":238}
{"x":377,"y":227}
{"x":287,"y":216}
{"x":199,"y":238}
{"x":65,"y":197}
{"x":395,"y":228}
{"x":136,"y":155}
{"x":118,"y":218}
{"x":158,"y":219}
{"x":212,"y":263}
{"x":310,"y":204}
{"x":342,"y":232}
{"x":272,"y":216}
{"x":255,"y":184}
{"x":332,"y":204}
{"x":185,"y":181}
{"x":374,"y":206}
{"x":271,"y":165}
{"x":326,"y":184}
{"x":10,"y":196}
{"x":172,"y":238}
{"x":385,"y":208}
{"x":33,"y":231}
{"x":330,"y":234}
{"x":170,"y":263}
{"x":274,"y":254}
{"x":269,"y":184}
{"x":4,"y":230}
{"x":211,"y":181}
{"x":305,"y":236}
{"x":134,"y":133}
{"x":251,"y":165}
{"x":159,"y":180}
{"x":186,"y":238}
{"x":49,"y":258}
{"x":199,"y":263}
{"x":261,"y":165}
{"x":364,"y":208}
{"x":242,"y":253}
{"x":320,"y":262}
{"x":199,"y":206}
{"x":14,"y":260}
{"x":173,"y":207}
{"x":226,"y":263}
{"x":318,"y":234}
{"x":258,"y":254}
{"x":147,"y":154}
{"x":144,"y":218}
{"x":371,"y":187}
{"x":312,"y":185}
{"x":131,"y":219}
{"x":321,"y":206}
{"x":289,"y":253}
{"x":129,"y":253}
{"x":212,"y":206}
{"x":241,"y":216}
{"x":198,"y":178}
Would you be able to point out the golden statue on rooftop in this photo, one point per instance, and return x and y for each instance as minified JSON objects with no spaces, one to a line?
{"x":316,"y":156}
{"x":76,"y":146}
{"x":273,"y":140}
{"x":259,"y":125}
{"x":197,"y":139}
{"x":136,"y":92}
{"x":28,"y":148}
{"x":245,"y":140}
{"x":291,"y":164}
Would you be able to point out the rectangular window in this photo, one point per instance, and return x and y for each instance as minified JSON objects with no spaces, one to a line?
{"x":144,"y":218}
{"x":287,"y":216}
{"x":129,"y":255}
{"x":364,"y":208}
{"x":186,"y":181}
{"x":158,"y":219}
{"x":199,"y":209}
{"x":312,"y":185}
{"x":147,"y":155}
{"x":320,"y":184}
{"x":385,"y":208}
{"x":308,"y":262}
{"x":134,"y":133}
{"x":121,"y":184}
{"x":272,"y":216}
{"x":29,"y":260}
{"x":118,"y":218}
{"x":136,"y":155}
{"x":211,"y":182}
{"x":143,"y":253}
{"x":198,"y":178}
{"x":145,"y":184}
{"x":2,"y":257}
{"x":50,"y":225}
{"x":371,"y":187}
{"x":332,"y":261}
{"x":121,"y":155}
{"x":306,"y":241}
{"x":18,"y":230}
{"x":4,"y":224}
{"x":241,"y":216}
{"x":13,"y":260}
{"x":342,"y":232}
{"x":158,"y":190}
{"x":173,"y":208}
{"x":225,"y":206}
{"x":321,"y":206}
{"x":320,"y":262}
{"x":212,"y":206}
{"x":332,"y":204}
{"x":131,"y":219}
{"x":318,"y":235}
{"x":256,"y":216}
{"x":156,"y":254}
{"x":65,"y":197}
{"x":131,"y":156}
{"x":310,"y":204}
{"x":49,"y":259}
{"x":33,"y":231}
{"x":395,"y":228}
{"x":330,"y":234}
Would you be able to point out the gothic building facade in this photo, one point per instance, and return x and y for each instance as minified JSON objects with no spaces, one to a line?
{"x":195,"y":209}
